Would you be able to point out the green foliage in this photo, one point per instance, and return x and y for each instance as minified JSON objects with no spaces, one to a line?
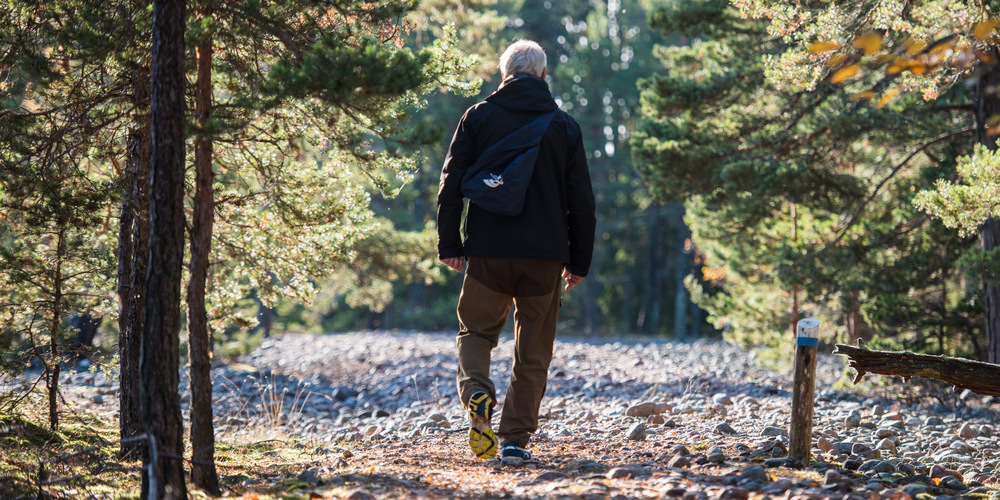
{"x":799,"y":194}
{"x":968,"y":204}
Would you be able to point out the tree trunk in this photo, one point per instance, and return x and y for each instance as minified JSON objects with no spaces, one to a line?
{"x":203,"y":471}
{"x":163,"y":465}
{"x":57,"y":303}
{"x":133,"y":246}
{"x":981,"y":378}
{"x":987,"y":107}
{"x":682,"y":266}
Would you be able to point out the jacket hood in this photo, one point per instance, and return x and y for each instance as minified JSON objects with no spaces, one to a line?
{"x":524,"y":93}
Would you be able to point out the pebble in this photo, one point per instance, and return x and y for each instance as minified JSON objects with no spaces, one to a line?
{"x":637,"y":432}
{"x":643,"y":410}
{"x":686,"y":394}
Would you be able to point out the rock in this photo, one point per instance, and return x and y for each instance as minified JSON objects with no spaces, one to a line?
{"x":953,"y":483}
{"x":437,"y":417}
{"x":826,"y":446}
{"x":940,"y":471}
{"x":781,"y":462}
{"x":852,"y":464}
{"x":724,"y":428}
{"x":853,"y":420}
{"x":914,"y":489}
{"x":359,"y":494}
{"x":631,"y":471}
{"x":967,"y":431}
{"x":586,"y":467}
{"x":716,"y":456}
{"x":643,"y":410}
{"x":311,"y":476}
{"x":933,"y":421}
{"x":962,"y":447}
{"x":866,"y":452}
{"x":236,"y":421}
{"x":755,"y":473}
{"x":551,"y":475}
{"x":832,"y":478}
{"x":637,"y":432}
{"x":886,"y":444}
{"x":97,"y":399}
{"x":670,"y":423}
{"x":987,"y":431}
{"x":680,"y":450}
{"x":884,"y":432}
{"x":773,"y":431}
{"x":721,"y":399}
{"x":655,"y":419}
{"x":344,"y":393}
{"x":778,"y":487}
{"x":884,"y":466}
{"x":735,"y":493}
{"x":679,"y":461}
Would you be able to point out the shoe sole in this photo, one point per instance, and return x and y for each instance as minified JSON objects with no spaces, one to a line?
{"x":482,"y":441}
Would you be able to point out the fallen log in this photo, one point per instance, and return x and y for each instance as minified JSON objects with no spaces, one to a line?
{"x":981,"y":378}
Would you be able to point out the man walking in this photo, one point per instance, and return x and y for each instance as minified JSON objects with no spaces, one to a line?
{"x":514,"y":260}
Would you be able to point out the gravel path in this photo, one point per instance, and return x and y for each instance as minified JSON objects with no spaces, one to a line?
{"x":624,"y":419}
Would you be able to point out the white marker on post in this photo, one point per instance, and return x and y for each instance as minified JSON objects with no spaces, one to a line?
{"x":804,"y":385}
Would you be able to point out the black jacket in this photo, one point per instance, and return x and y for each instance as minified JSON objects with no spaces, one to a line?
{"x":557,"y":222}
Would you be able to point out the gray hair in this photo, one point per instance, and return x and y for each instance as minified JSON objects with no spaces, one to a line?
{"x":523,"y":56}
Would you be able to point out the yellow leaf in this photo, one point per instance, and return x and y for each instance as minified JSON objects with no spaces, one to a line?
{"x":823,"y":47}
{"x":913,"y":46}
{"x":869,"y":42}
{"x":983,"y":30}
{"x":919,"y":68}
{"x":844,"y":73}
{"x":868,"y":94}
{"x":898,"y":66}
{"x":836,"y":60}
{"x":936,"y":481}
{"x":886,"y":97}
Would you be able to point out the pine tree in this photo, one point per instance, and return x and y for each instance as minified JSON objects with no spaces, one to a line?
{"x":793,"y":192}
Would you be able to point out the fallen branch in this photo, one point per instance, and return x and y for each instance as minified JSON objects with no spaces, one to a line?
{"x":981,"y":378}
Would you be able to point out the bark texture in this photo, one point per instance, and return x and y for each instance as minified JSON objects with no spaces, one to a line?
{"x":981,"y":378}
{"x":203,"y":470}
{"x":133,"y":247}
{"x":163,"y":471}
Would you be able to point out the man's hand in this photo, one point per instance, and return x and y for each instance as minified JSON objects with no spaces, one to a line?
{"x":454,"y":263}
{"x":571,"y":279}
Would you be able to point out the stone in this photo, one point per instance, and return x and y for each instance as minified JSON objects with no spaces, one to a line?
{"x":773,"y":431}
{"x":552,"y":475}
{"x":586,"y":467}
{"x":724,"y":428}
{"x":637,"y":432}
{"x":655,"y":419}
{"x":914,"y":489}
{"x":311,"y":476}
{"x":967,"y":431}
{"x":953,"y":483}
{"x":853,"y":420}
{"x":886,"y":445}
{"x":884,"y":432}
{"x":680,"y":450}
{"x":940,"y":471}
{"x":631,"y":471}
{"x":826,"y":446}
{"x":852,"y":464}
{"x":359,"y":494}
{"x":643,"y":410}
{"x":722,"y":399}
{"x":734,"y":493}
{"x":987,"y":431}
{"x":962,"y":447}
{"x":716,"y":457}
{"x":933,"y":421}
{"x":679,"y":461}
{"x":755,"y":473}
{"x":832,"y":478}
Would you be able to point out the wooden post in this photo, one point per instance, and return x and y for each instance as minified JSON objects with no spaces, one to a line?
{"x":800,"y":429}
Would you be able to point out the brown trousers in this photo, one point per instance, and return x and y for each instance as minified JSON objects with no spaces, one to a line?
{"x":491,"y":286}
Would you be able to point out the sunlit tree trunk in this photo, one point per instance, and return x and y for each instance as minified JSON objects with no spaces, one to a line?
{"x":163,"y":471}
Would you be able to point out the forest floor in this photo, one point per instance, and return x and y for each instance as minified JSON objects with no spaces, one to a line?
{"x":375,"y":415}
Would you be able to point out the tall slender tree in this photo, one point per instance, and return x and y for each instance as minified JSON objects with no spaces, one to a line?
{"x":163,"y":471}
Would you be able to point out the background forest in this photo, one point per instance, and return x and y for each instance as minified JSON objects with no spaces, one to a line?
{"x":754,"y":163}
